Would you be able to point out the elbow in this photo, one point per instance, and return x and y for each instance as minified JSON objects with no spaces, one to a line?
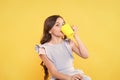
{"x":85,"y":56}
{"x":54,"y":73}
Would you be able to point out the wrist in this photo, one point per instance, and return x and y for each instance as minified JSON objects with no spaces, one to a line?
{"x":70,"y":78}
{"x":75,"y":36}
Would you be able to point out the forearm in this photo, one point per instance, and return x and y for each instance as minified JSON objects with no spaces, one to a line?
{"x":82,"y":49}
{"x":61,"y":76}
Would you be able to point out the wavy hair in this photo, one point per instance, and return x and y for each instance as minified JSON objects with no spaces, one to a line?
{"x":48,"y":24}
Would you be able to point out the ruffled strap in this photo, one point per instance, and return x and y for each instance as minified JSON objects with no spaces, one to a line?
{"x":39,"y":49}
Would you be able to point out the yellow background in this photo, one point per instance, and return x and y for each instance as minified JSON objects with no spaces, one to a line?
{"x":21,"y":24}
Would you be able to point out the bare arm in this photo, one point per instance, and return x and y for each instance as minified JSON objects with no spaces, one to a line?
{"x":78,"y":48}
{"x":52,"y":69}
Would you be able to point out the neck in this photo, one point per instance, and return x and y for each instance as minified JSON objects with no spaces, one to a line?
{"x":56,"y":40}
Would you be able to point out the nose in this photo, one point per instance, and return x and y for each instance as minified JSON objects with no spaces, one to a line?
{"x":61,"y":26}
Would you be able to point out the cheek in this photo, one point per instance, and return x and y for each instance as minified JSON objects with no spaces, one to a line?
{"x":56,"y":30}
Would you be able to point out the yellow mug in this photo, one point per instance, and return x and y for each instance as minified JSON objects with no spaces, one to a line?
{"x":67,"y":30}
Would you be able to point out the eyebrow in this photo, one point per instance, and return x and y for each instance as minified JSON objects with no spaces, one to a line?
{"x":59,"y":23}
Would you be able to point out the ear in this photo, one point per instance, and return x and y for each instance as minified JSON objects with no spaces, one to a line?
{"x":50,"y":31}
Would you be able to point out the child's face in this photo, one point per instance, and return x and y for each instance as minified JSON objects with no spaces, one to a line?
{"x":56,"y":30}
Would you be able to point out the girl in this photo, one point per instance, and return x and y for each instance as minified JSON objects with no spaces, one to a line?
{"x":56,"y":50}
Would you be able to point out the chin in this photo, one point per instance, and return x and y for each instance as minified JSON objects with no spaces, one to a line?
{"x":60,"y":35}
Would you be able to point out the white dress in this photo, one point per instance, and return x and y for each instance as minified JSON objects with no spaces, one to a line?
{"x":62,"y":58}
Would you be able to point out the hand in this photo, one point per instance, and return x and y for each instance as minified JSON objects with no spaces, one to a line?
{"x":75,"y":29}
{"x":76,"y":77}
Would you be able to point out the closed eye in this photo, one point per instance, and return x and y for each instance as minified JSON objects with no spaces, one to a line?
{"x":57,"y":25}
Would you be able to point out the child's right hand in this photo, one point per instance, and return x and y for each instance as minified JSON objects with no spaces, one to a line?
{"x":76,"y":77}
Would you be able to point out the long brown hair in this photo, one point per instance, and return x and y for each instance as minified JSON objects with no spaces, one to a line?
{"x":48,"y":24}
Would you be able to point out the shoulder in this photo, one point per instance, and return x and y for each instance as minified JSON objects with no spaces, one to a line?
{"x":69,"y":42}
{"x":40,"y":48}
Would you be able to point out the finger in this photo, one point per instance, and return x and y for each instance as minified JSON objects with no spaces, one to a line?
{"x":74,"y":28}
{"x":81,"y":76}
{"x":78,"y":76}
{"x":74,"y":77}
{"x":77,"y":79}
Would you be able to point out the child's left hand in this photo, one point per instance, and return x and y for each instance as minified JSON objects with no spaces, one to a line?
{"x":75,"y":29}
